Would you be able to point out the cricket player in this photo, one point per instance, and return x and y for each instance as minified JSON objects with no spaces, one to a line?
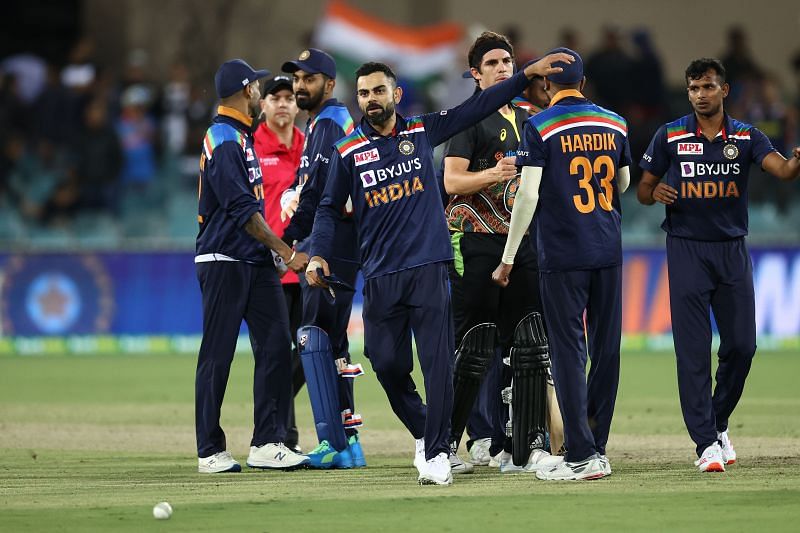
{"x":238,"y":280}
{"x":386,"y":167}
{"x":698,"y":167}
{"x":481,"y":176}
{"x":314,"y":78}
{"x":575,"y":159}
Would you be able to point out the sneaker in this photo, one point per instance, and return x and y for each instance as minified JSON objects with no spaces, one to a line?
{"x":506,"y":463}
{"x":458,"y":465}
{"x":591,"y":468}
{"x":436,"y":471}
{"x":419,"y":455}
{"x":479,"y":452}
{"x":275,"y":456}
{"x":606,"y":465}
{"x":356,"y":451}
{"x":326,"y":456}
{"x":542,"y":460}
{"x":218,"y":463}
{"x":728,"y":453}
{"x":711,"y":460}
{"x":494,"y":462}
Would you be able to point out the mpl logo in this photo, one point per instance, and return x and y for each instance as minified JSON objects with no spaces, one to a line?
{"x":690,"y":148}
{"x":687,"y":169}
{"x":368,"y":178}
{"x":362,"y":158}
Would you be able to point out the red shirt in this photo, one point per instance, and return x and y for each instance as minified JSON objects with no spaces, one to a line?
{"x":278,"y":166}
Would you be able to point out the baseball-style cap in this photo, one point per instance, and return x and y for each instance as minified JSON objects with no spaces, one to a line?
{"x":276,"y":84}
{"x":234,"y":75}
{"x":572,"y":73}
{"x":312,"y":61}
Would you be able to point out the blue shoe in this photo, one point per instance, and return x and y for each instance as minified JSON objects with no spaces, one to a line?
{"x":325,"y":456}
{"x":354,"y":445}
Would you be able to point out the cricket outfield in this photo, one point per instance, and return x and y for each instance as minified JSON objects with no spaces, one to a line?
{"x":92,"y":443}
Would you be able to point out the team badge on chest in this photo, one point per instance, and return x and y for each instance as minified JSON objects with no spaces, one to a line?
{"x":406,"y":147}
{"x":730,"y":151}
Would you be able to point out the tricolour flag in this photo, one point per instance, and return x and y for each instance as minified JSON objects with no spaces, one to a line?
{"x":414,"y":53}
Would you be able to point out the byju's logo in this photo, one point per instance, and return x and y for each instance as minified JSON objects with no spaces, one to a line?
{"x":687,"y":169}
{"x":368,"y":178}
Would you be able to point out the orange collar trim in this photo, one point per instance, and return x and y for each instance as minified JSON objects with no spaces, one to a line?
{"x":566,"y":93}
{"x":226,"y":111}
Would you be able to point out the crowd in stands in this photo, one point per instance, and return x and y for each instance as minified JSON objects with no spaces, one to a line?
{"x":94,"y":159}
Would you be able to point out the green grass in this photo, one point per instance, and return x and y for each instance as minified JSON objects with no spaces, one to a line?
{"x":92,"y":443}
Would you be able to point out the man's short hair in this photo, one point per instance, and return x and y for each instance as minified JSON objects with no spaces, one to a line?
{"x":372,"y":67}
{"x":699,"y":67}
{"x":485,"y":42}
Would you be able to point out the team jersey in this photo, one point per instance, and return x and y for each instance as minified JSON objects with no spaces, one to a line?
{"x":230,"y":192}
{"x":392,"y":182}
{"x":484,"y":144}
{"x":331,"y":124}
{"x":580,"y":147}
{"x":278,"y":164}
{"x":710,"y":176}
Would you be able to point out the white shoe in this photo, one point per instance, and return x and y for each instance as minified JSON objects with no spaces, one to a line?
{"x":591,"y":468}
{"x":606,"y":465}
{"x":419,"y":455}
{"x":436,"y":471}
{"x":507,"y":465}
{"x":479,"y":452}
{"x":728,"y":453}
{"x":494,"y":462}
{"x":542,"y":460}
{"x":217,"y":463}
{"x":458,"y":465}
{"x":711,"y":460}
{"x":275,"y":455}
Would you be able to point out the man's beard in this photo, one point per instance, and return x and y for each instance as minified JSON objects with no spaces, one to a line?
{"x":308,"y":101}
{"x":379,"y":119}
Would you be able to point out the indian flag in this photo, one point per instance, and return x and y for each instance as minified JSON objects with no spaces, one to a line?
{"x":414,"y":53}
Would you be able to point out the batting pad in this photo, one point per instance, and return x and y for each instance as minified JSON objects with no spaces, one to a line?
{"x":322,"y":384}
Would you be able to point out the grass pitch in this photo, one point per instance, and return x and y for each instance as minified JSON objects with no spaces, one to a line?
{"x":91,"y":444}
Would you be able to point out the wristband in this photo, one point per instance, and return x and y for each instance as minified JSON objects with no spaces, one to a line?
{"x":294,"y":254}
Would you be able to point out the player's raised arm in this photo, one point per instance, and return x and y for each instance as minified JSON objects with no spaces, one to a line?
{"x":444,"y":124}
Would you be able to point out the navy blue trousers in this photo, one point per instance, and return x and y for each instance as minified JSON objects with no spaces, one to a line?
{"x":395,"y":305}
{"x":716,"y":276}
{"x":333,"y":319}
{"x":232,"y":291}
{"x":587,"y":403}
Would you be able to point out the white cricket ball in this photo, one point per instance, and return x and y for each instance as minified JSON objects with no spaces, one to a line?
{"x":162,"y":511}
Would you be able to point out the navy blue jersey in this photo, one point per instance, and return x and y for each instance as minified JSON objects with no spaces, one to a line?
{"x":580,"y":147}
{"x":394,"y":188}
{"x":331,"y":124}
{"x":710,"y":176}
{"x":231,"y":191}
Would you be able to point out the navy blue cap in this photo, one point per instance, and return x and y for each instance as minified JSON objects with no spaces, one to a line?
{"x":234,"y":75}
{"x":335,"y":283}
{"x":572,"y":73}
{"x":277,"y":83}
{"x":312,"y":61}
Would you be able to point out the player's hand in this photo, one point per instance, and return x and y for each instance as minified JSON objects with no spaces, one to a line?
{"x":289,"y":207}
{"x":312,"y":277}
{"x":505,"y":169}
{"x":796,"y":152}
{"x":543,"y":67}
{"x":501,"y":274}
{"x":664,"y":193}
{"x":298,"y":264}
